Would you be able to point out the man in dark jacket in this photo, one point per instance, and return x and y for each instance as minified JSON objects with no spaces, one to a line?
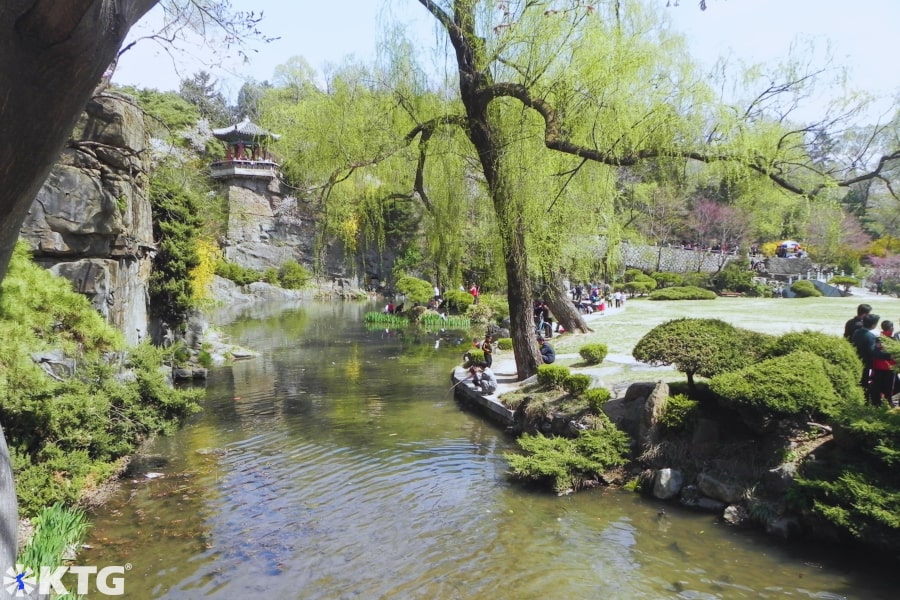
{"x":856,"y":322}
{"x":865,"y":340}
{"x":548,"y":354}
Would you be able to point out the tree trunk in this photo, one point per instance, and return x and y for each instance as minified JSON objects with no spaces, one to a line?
{"x":52,"y":56}
{"x":521,"y":319}
{"x":562,"y":307}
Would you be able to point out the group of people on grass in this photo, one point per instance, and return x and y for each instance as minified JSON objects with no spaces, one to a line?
{"x":482,"y":375}
{"x":878,"y":377}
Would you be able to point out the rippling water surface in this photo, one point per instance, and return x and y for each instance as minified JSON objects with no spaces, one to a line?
{"x":337,"y":465}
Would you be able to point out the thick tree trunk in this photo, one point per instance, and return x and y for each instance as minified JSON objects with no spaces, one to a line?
{"x":518,"y":282}
{"x":52,"y":56}
{"x":562,"y":307}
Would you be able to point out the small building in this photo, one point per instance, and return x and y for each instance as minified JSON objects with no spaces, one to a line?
{"x":246,"y":152}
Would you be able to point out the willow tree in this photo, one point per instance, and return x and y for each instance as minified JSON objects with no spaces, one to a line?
{"x":605,"y":80}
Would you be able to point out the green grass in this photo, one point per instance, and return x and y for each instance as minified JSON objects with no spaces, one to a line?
{"x":620,"y":331}
{"x":56,"y":528}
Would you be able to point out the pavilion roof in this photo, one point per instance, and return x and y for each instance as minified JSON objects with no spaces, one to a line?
{"x":246,"y":131}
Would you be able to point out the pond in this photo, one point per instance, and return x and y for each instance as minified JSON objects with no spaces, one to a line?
{"x":338,"y":465}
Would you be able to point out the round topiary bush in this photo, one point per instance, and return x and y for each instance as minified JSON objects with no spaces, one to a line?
{"x":682,"y":293}
{"x":552,"y":376}
{"x":596,"y":398}
{"x":793,"y":385}
{"x":678,"y":413}
{"x":474,"y":356}
{"x":504,"y":344}
{"x":805,"y":289}
{"x":457,"y":301}
{"x":593,"y":354}
{"x":576,"y":384}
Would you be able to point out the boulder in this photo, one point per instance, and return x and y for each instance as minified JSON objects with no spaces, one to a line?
{"x":667,"y":483}
{"x":719,"y":488}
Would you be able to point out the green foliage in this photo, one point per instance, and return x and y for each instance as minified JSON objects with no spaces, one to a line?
{"x":176,"y":227}
{"x":576,"y":384}
{"x":473,"y":356}
{"x":458,"y":301}
{"x":552,"y":376}
{"x":793,"y":385}
{"x":664,"y":279}
{"x":435,"y":321}
{"x":293,"y":276}
{"x":204,"y":359}
{"x":386,"y":319}
{"x":593,"y":354}
{"x":270,"y":276}
{"x":702,"y":347}
{"x":683,"y":293}
{"x":169,"y":112}
{"x":700,"y":280}
{"x":568,"y":463}
{"x":805,"y":289}
{"x":67,"y":435}
{"x":481,"y":314}
{"x":679,"y":411}
{"x":498,"y":304}
{"x":56,"y":528}
{"x":844,"y":282}
{"x":596,"y":398}
{"x":736,"y":276}
{"x":842,"y":365}
{"x":504,"y":344}
{"x":639,"y":288}
{"x":417,"y":291}
{"x":236,"y":273}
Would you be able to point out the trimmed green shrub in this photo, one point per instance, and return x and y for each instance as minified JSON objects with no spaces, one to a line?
{"x":845,"y":282}
{"x":568,"y":463}
{"x":473,"y":356}
{"x":678,"y":412}
{"x":593,"y":354}
{"x":805,"y":289}
{"x":793,"y":385}
{"x":842,"y":363}
{"x":552,"y":376}
{"x":683,"y":293}
{"x":504,"y":344}
{"x":457,"y":301}
{"x":596,"y":398}
{"x":270,"y":276}
{"x":702,"y":347}
{"x":700,"y":280}
{"x":417,"y":291}
{"x":576,"y":384}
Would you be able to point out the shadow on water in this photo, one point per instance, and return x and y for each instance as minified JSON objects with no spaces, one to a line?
{"x":338,"y":465}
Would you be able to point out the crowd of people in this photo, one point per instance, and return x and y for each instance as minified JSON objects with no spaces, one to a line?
{"x":878,"y":376}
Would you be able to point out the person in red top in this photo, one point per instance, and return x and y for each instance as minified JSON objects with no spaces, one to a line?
{"x":883,"y":375}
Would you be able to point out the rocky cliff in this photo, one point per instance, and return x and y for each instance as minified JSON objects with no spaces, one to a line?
{"x":91,"y":221}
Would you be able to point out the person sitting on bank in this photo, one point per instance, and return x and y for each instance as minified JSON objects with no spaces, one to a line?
{"x":485,"y":379}
{"x":548,"y":354}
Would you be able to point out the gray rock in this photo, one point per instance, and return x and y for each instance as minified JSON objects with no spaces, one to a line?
{"x":736,"y":514}
{"x":719,"y":488}
{"x":779,"y":479}
{"x":667,"y":483}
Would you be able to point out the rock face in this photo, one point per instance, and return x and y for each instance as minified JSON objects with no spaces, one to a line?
{"x":91,"y":221}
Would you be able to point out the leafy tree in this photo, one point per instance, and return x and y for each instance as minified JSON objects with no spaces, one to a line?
{"x":201,"y":91}
{"x":62,"y":46}
{"x":704,"y":347}
{"x":176,"y":227}
{"x":417,"y":291}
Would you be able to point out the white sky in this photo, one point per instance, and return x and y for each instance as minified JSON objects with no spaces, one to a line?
{"x":862,"y":34}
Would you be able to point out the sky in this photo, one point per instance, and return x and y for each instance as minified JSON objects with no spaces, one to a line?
{"x":861,"y":34}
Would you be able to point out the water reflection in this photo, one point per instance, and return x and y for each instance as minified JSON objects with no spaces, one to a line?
{"x":337,"y":465}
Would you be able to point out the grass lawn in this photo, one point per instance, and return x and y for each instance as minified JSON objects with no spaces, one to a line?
{"x":620,"y":330}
